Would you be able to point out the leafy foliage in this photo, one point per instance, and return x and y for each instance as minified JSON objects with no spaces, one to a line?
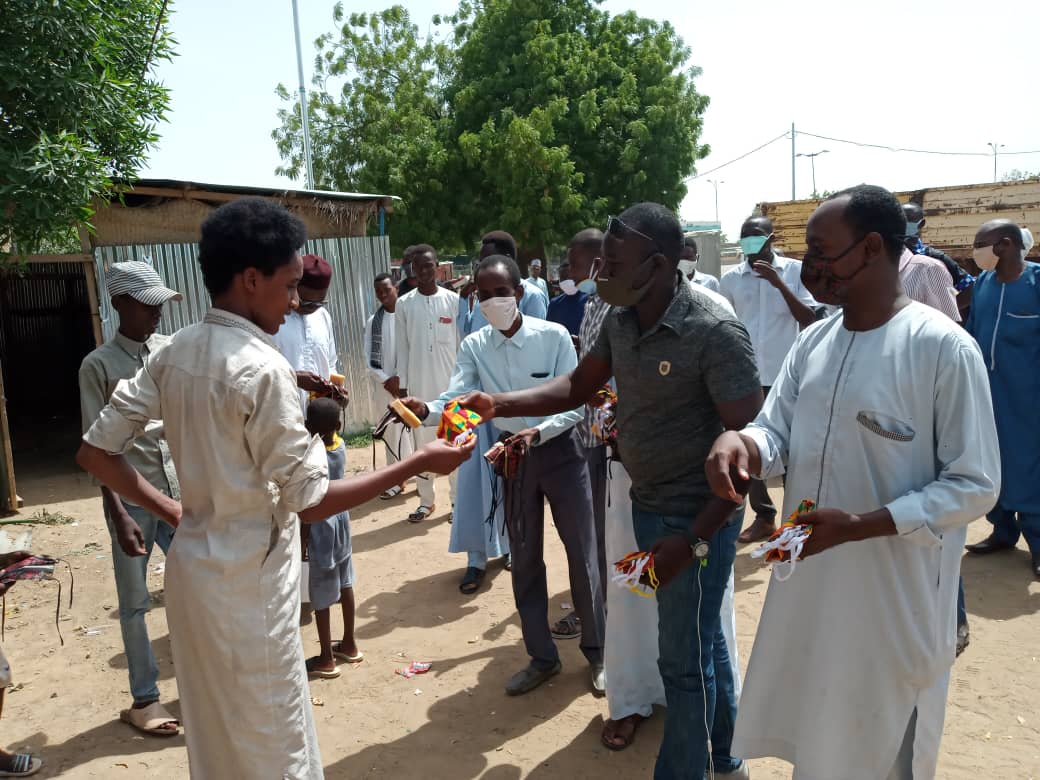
{"x":536,"y":116}
{"x":78,"y":108}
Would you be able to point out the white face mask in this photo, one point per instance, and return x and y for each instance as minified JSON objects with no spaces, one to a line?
{"x":500,"y":312}
{"x":985,"y":258}
{"x":687,"y":267}
{"x":568,"y":286}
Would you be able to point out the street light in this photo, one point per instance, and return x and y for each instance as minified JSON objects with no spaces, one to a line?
{"x":995,"y":147}
{"x":812,"y":161}
{"x":715,"y":183}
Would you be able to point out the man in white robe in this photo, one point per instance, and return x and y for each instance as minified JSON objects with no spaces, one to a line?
{"x":883,"y":418}
{"x":427,"y":341}
{"x":381,"y":362}
{"x":247,"y":468}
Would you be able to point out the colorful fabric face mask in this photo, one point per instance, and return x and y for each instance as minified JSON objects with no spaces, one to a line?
{"x":458,"y":425}
{"x":630,"y":571}
{"x":784,"y":547}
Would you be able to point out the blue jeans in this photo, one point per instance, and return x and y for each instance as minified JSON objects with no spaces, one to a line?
{"x":134,"y":601}
{"x":1008,"y":530}
{"x":694,"y":662}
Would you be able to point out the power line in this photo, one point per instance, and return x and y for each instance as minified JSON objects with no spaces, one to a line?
{"x":853,"y":143}
{"x":905,"y":149}
{"x":738,"y":159}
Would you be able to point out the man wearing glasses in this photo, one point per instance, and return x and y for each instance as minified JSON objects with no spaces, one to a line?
{"x":685,"y":372}
{"x":306,"y":339}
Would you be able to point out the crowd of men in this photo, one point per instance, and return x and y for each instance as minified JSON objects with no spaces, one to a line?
{"x":848,"y":373}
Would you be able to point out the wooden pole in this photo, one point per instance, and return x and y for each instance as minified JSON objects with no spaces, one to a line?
{"x":7,"y":475}
{"x":92,"y":290}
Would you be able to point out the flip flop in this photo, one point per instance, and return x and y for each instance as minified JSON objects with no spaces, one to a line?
{"x":350,"y":659}
{"x":324,"y":674}
{"x":22,"y":765}
{"x":471,"y":581}
{"x":393,"y":492}
{"x":421,"y":513}
{"x":150,"y":720}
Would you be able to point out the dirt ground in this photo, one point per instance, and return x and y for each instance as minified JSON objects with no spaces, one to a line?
{"x":456,"y":721}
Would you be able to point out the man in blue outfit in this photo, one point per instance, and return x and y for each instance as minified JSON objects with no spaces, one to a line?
{"x":1005,"y":321}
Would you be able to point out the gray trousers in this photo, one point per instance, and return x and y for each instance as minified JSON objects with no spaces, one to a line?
{"x":597,"y":460}
{"x":556,"y":471}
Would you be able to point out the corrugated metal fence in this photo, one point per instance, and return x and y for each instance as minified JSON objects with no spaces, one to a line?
{"x":355,"y":262}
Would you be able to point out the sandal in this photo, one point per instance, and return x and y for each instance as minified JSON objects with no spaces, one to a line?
{"x":22,"y":765}
{"x":471,"y":581}
{"x":421,"y":513}
{"x":567,"y":628}
{"x":507,"y":561}
{"x":150,"y":720}
{"x":337,"y":652}
{"x":613,"y":729}
{"x":324,"y":674}
{"x":393,"y":492}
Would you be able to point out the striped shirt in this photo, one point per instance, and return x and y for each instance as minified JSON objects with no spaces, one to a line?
{"x":927,"y":281}
{"x":595,"y":311}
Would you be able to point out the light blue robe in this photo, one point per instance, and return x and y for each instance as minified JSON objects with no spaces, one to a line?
{"x":1005,"y":321}
{"x":470,"y":531}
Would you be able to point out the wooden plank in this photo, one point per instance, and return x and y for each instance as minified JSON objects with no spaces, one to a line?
{"x":9,"y":493}
{"x":69,"y":258}
{"x":93,"y":301}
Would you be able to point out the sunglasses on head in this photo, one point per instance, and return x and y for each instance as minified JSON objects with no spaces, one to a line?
{"x":619,"y":230}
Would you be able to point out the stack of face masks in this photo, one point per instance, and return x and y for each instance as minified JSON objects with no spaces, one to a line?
{"x":784,"y":547}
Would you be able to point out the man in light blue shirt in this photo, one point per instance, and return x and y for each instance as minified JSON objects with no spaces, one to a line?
{"x":514,"y":352}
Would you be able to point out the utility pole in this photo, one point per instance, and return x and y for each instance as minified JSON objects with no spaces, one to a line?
{"x":303,"y":100}
{"x":715,"y":183}
{"x":793,"y":195}
{"x":996,"y":149}
{"x":812,"y":161}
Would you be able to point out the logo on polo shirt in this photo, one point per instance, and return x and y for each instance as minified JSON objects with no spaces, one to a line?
{"x":665,"y":368}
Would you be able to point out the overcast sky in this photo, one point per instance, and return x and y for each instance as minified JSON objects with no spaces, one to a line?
{"x":944,"y":75}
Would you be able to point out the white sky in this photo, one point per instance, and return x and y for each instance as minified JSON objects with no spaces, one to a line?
{"x":926,"y":74}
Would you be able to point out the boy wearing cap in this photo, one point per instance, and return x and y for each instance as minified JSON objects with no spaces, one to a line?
{"x":138,"y":295}
{"x":306,"y":339}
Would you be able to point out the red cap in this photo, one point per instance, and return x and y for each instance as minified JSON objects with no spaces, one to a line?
{"x":317,"y":273}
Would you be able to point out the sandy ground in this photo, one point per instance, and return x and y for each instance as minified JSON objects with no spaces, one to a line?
{"x":456,"y":721}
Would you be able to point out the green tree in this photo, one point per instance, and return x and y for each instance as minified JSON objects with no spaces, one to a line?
{"x":377,"y":120}
{"x":78,"y":108}
{"x":537,"y":116}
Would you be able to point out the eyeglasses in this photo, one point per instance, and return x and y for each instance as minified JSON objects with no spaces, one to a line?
{"x":618,"y":229}
{"x":305,"y":304}
{"x":819,"y":258}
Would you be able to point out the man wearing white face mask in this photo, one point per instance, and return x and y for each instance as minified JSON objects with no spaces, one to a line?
{"x":514,"y":352}
{"x":767,"y":293}
{"x":688,"y":266}
{"x":568,"y":307}
{"x":1005,"y":321}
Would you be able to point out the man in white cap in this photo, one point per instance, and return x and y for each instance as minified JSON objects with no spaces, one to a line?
{"x":536,"y":276}
{"x":138,"y":295}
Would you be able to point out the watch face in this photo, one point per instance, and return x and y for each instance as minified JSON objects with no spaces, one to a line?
{"x":700,"y":549}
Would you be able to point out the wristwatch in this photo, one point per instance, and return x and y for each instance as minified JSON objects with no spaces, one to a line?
{"x":699,"y":548}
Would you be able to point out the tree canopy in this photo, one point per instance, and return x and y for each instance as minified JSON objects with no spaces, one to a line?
{"x":535,"y":116}
{"x":78,"y":108}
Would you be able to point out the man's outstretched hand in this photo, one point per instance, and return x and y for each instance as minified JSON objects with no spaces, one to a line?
{"x":415,"y":406}
{"x":727,"y":467}
{"x":481,"y":403}
{"x":440,"y":457}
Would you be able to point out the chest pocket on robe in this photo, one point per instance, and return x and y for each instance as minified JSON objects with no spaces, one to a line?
{"x":886,"y":426}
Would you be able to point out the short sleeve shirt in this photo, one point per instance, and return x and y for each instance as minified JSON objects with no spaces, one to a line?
{"x":669,"y":380}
